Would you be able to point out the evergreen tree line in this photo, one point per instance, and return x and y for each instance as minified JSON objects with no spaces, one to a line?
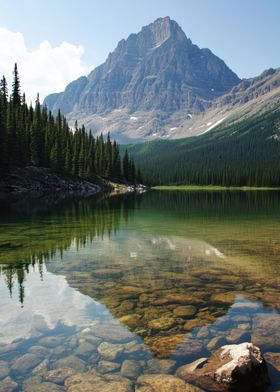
{"x":35,"y":136}
{"x":243,"y":154}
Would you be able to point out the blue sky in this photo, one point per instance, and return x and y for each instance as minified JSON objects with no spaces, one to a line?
{"x":245,"y":34}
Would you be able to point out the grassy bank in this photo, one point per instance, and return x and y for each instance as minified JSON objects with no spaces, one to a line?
{"x":212,"y":188}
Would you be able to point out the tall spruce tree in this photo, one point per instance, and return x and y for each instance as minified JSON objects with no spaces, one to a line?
{"x":36,"y":140}
{"x":16,"y":98}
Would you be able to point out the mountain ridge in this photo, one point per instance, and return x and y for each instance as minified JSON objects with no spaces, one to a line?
{"x":156,"y":70}
{"x":158,"y":84}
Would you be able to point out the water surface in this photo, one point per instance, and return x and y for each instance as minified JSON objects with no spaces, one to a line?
{"x":136,"y":284}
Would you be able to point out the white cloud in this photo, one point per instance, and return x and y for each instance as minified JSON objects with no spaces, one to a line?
{"x":45,"y":70}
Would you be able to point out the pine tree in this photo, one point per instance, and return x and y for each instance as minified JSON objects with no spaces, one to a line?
{"x":16,"y":98}
{"x":68,"y":154}
{"x":125,"y":166}
{"x":36,"y":147}
{"x":116,"y":161}
{"x":108,"y":157}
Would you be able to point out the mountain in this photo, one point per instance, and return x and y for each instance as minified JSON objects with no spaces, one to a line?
{"x":247,"y":98}
{"x":245,"y":153}
{"x":150,"y":77}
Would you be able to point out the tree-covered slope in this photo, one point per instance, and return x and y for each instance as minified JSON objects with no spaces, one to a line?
{"x":246,"y":153}
{"x":34,"y":136}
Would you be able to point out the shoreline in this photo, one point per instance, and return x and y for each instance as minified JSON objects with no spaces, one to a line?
{"x":36,"y":182}
{"x":212,"y":188}
{"x":40,"y":182}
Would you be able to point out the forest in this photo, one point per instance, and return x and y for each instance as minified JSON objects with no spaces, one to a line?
{"x":245,"y":153}
{"x":34,"y":136}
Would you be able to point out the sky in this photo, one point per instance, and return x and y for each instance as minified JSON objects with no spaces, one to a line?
{"x":55,"y":42}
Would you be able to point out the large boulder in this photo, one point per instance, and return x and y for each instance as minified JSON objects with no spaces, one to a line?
{"x":238,"y":367}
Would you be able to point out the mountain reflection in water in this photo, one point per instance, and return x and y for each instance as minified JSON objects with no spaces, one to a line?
{"x":164,"y":275}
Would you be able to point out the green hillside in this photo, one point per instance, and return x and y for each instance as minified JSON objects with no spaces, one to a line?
{"x":244,"y":154}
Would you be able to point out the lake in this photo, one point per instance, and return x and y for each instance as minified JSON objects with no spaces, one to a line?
{"x":133,"y":284}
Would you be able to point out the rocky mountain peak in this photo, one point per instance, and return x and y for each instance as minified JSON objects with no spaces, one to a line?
{"x":161,"y":30}
{"x":149,"y":38}
{"x":157,"y":71}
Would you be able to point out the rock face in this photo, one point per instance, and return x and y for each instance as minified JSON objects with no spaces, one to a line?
{"x":233,"y":367}
{"x":249,"y":89}
{"x":158,"y":69}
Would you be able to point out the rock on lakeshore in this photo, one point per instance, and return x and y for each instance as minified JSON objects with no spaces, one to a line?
{"x":237,"y":367}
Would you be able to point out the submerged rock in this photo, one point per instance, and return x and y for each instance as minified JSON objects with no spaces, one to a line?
{"x":195,"y":323}
{"x":134,"y":347}
{"x":107,"y":367}
{"x":237,"y":335}
{"x":164,"y":346}
{"x":162,"y":323}
{"x":112,"y":273}
{"x":266,"y":331}
{"x":8,"y":385}
{"x":216,"y":342}
{"x":233,"y":367}
{"x":184,"y":311}
{"x":130,"y":291}
{"x":4,"y":369}
{"x":273,"y":359}
{"x":163,"y":383}
{"x":42,"y":368}
{"x":58,"y":376}
{"x":224,"y":298}
{"x":25,"y":363}
{"x":203,"y":332}
{"x":185,"y":299}
{"x":160,"y":366}
{"x":110,"y":351}
{"x":39,"y":350}
{"x":112,"y":333}
{"x":71,"y":362}
{"x":131,"y":320}
{"x":130,"y":369}
{"x":8,"y":348}
{"x":85,"y":348}
{"x":189,"y":347}
{"x":92,"y":381}
{"x":51,"y":341}
{"x":42,"y":387}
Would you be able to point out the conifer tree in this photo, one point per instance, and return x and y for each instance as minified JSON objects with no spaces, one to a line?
{"x":16,"y":98}
{"x":125,"y":166}
{"x":36,"y":140}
